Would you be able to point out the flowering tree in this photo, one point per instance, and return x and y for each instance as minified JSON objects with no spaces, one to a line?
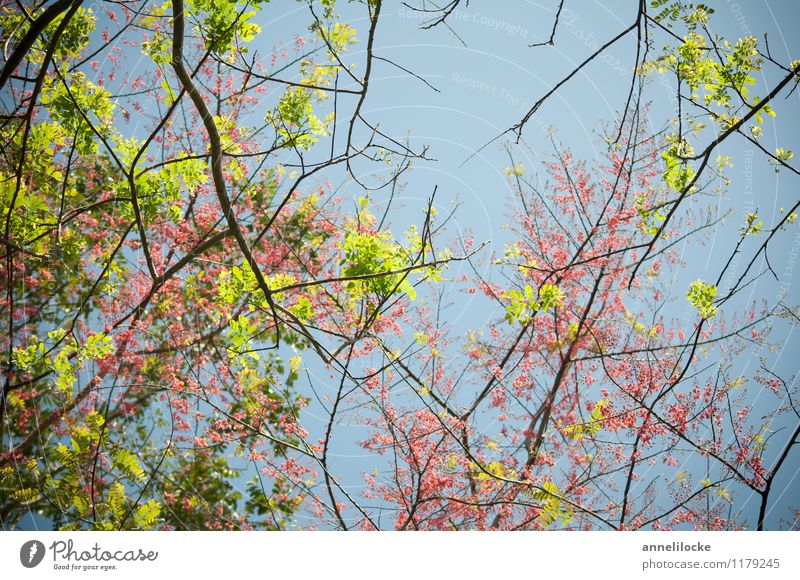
{"x":176,"y":256}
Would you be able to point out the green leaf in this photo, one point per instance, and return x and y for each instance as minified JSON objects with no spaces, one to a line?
{"x":127,"y":463}
{"x":147,"y":513}
{"x":701,"y":296}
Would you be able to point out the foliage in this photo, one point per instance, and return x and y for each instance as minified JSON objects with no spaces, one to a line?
{"x":197,"y":324}
{"x":701,"y":296}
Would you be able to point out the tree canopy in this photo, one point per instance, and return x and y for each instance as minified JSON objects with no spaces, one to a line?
{"x":199,"y":319}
